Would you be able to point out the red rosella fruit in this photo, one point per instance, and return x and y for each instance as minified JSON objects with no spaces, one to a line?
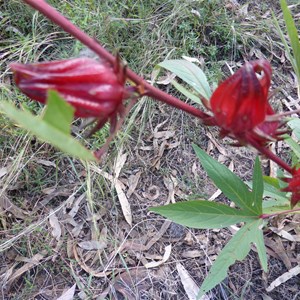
{"x":94,"y":89}
{"x":293,"y":187}
{"x":240,"y":103}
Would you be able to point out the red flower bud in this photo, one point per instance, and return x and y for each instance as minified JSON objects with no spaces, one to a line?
{"x":293,"y":187}
{"x":240,"y":103}
{"x":94,"y":89}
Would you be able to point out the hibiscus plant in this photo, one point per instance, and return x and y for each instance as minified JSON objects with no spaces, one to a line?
{"x":106,"y":90}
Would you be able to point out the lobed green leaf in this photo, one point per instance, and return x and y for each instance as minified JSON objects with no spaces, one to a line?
{"x":236,"y":249}
{"x":203,"y":214}
{"x":230,"y":184}
{"x":257,"y":187}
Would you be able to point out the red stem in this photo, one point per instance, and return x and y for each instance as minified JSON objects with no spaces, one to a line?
{"x":66,"y":25}
{"x":266,"y":216}
{"x":271,"y":155}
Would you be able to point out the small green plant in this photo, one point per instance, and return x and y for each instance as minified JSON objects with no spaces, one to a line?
{"x":204,"y":214}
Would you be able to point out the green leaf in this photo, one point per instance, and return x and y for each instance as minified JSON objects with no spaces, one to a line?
{"x":286,"y":46}
{"x":274,"y":193}
{"x":294,"y":146}
{"x":46,"y":131}
{"x":236,"y":249}
{"x":295,"y":125}
{"x":293,"y":35}
{"x":58,"y":112}
{"x":189,"y":73}
{"x":272,"y":181}
{"x":203,"y":214}
{"x":278,"y":200}
{"x":186,"y":92}
{"x":258,"y":240}
{"x":272,"y":206}
{"x":258,"y":187}
{"x":230,"y":184}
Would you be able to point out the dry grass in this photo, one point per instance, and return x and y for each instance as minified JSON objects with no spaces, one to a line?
{"x":62,"y":221}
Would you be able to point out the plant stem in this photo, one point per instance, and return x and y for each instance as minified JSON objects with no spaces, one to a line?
{"x":266,"y":216}
{"x":57,"y":18}
{"x":267,"y":152}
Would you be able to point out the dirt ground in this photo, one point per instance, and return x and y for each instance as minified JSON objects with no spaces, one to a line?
{"x":74,"y":229}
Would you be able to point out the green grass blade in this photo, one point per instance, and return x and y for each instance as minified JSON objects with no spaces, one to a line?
{"x":46,"y":131}
{"x":189,"y":73}
{"x":286,"y":46}
{"x":258,"y":187}
{"x":293,"y":35}
{"x":236,"y":249}
{"x":203,"y":214}
{"x":230,"y":184}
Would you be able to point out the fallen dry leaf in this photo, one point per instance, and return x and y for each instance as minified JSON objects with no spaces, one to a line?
{"x":129,"y":283}
{"x":284,"y":234}
{"x":92,"y":245}
{"x":133,"y":181}
{"x":126,"y":209}
{"x":7,"y":206}
{"x":46,"y":163}
{"x":283,"y":278}
{"x":69,"y":294}
{"x":86,"y":268}
{"x":54,"y":223}
{"x":189,"y":284}
{"x":266,"y":297}
{"x":119,"y":186}
{"x":192,"y":253}
{"x":169,"y":183}
{"x":216,"y":144}
{"x":34,"y":261}
{"x":163,"y":135}
{"x":75,"y":205}
{"x":119,"y":163}
{"x":160,"y":233}
{"x":165,"y":80}
{"x":166,"y":256}
{"x":3,"y":171}
{"x":277,"y":246}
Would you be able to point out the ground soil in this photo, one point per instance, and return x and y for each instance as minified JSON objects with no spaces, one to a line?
{"x":45,"y":260}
